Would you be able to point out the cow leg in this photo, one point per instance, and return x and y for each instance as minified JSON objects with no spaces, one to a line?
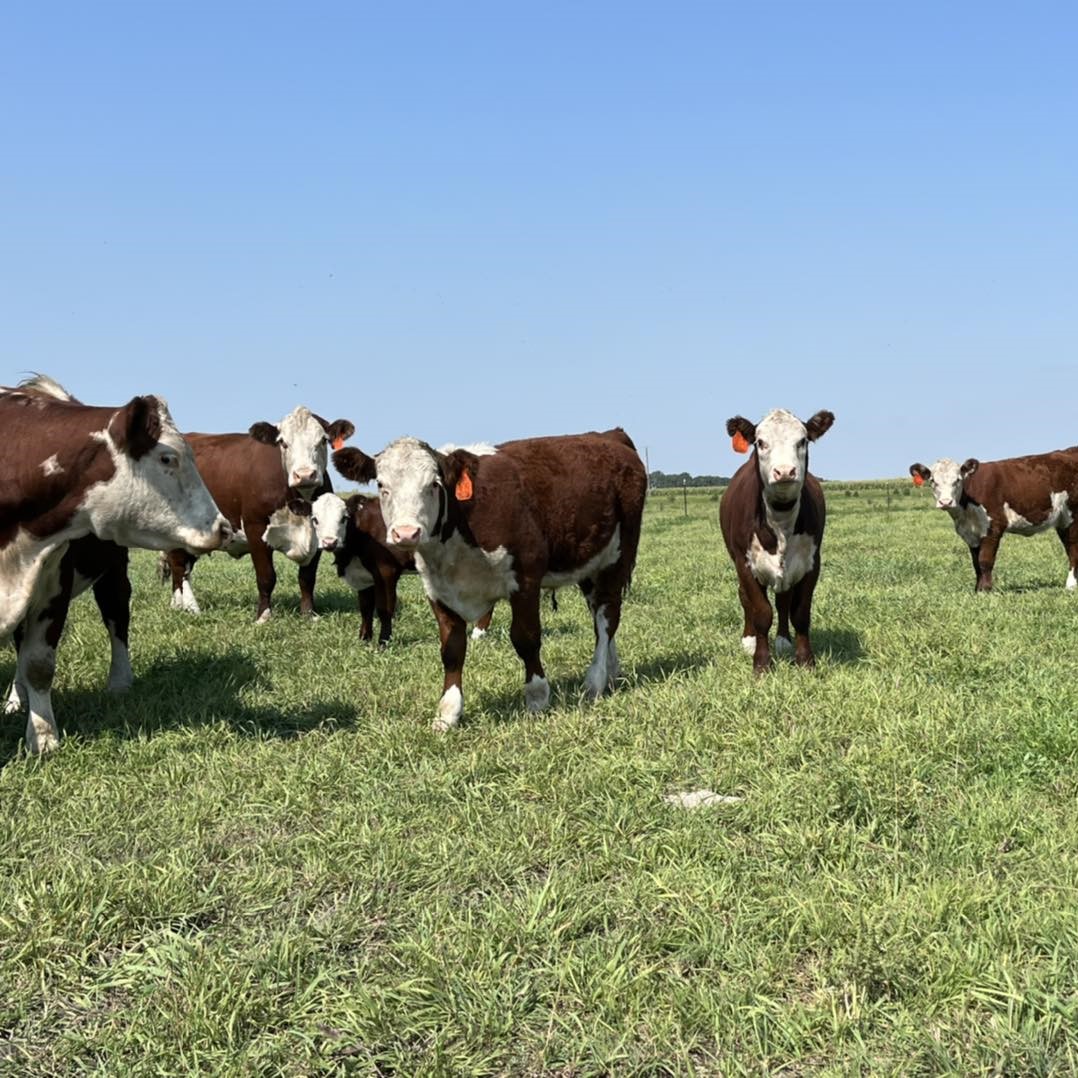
{"x":265,"y":574}
{"x":453,"y":630}
{"x":1069,"y":538}
{"x":526,"y":634}
{"x":181,"y":565}
{"x":605,"y":603}
{"x":975,"y":554}
{"x":365,"y":598}
{"x":758,"y":617}
{"x":113,"y":594}
{"x":986,"y":559}
{"x":482,"y":625}
{"x":43,"y":628}
{"x":783,"y":644}
{"x":307,"y":575}
{"x":385,"y":601}
{"x":16,"y":697}
{"x":801,"y":615}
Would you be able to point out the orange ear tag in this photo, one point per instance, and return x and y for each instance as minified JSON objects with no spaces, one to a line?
{"x":463,"y":489}
{"x":741,"y":443}
{"x":918,"y":481}
{"x":338,"y":443}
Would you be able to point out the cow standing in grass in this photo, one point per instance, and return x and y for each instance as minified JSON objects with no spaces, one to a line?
{"x":77,"y":483}
{"x":253,"y":477}
{"x":772,"y":518}
{"x":1024,"y":495}
{"x":536,"y":513}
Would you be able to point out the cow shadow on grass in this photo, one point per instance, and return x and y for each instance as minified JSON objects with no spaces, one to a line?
{"x":839,"y":646}
{"x":179,"y":692}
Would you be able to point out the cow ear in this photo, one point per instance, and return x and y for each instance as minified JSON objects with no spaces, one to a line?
{"x":969,"y":467}
{"x":267,"y":433}
{"x":136,"y":428}
{"x":742,"y":432}
{"x":920,"y":473}
{"x":458,"y":473}
{"x":338,"y":432}
{"x":300,"y":506}
{"x":819,"y":425}
{"x":354,"y":464}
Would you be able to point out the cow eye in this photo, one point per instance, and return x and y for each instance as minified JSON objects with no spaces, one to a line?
{"x":801,"y":444}
{"x":761,"y":445}
{"x":314,"y":521}
{"x":169,"y":460}
{"x":282,"y":443}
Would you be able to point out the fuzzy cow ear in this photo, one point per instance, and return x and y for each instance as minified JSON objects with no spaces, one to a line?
{"x":458,"y":474}
{"x":742,"y":432}
{"x":354,"y":464}
{"x":300,"y":506}
{"x":267,"y":433}
{"x":920,"y":473}
{"x":969,"y":467}
{"x":136,"y":428}
{"x":819,"y":425}
{"x":339,"y":431}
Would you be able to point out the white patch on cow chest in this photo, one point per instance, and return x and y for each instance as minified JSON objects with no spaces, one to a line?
{"x":356,"y":577}
{"x":793,"y":558}
{"x":466,"y":578}
{"x":603,"y":560}
{"x":1059,"y":516}
{"x":971,"y":523}
{"x":51,"y":466}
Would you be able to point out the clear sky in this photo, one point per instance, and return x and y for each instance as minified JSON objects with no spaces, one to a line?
{"x":473,"y":221}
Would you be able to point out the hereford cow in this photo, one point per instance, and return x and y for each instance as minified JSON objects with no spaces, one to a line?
{"x":772,"y":519}
{"x":535,"y":513}
{"x":253,"y":476}
{"x":68,"y":471}
{"x":1024,"y":495}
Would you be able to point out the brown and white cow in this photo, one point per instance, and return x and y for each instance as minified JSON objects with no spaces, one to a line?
{"x":67,"y":470}
{"x":535,"y":513}
{"x":252,"y":477}
{"x":772,"y":518}
{"x":1024,"y":495}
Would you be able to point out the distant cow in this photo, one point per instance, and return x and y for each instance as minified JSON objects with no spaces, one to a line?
{"x":67,"y":471}
{"x":1024,"y":495}
{"x":772,"y":518}
{"x":540,"y":512}
{"x":252,"y":477}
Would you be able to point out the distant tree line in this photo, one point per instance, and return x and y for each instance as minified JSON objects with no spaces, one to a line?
{"x":661,"y":479}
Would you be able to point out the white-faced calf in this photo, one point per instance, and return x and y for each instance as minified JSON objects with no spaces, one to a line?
{"x":1024,"y":495}
{"x":540,"y":512}
{"x":772,"y":518}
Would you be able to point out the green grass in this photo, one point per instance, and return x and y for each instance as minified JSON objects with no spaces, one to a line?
{"x":261,"y":860}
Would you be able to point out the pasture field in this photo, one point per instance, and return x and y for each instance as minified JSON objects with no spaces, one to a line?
{"x":262,"y":861}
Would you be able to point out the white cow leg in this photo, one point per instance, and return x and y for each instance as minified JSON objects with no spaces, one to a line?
{"x":598,"y":675}
{"x":37,"y":665}
{"x":783,"y":645}
{"x":537,"y":693}
{"x":120,"y":676}
{"x":450,"y":708}
{"x":1072,"y":583}
{"x":16,"y":697}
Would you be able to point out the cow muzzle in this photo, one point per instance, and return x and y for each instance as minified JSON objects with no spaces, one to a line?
{"x":329,"y":544}
{"x":405,"y":535}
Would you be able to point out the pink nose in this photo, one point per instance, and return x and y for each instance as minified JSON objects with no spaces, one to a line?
{"x":404,"y":535}
{"x":944,"y":505}
{"x":304,"y":475}
{"x":329,"y":544}
{"x":780,"y":475}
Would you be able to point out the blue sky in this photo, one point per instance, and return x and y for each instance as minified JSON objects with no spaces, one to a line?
{"x":483,"y":221}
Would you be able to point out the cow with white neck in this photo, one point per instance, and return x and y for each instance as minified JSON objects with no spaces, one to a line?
{"x":772,"y":518}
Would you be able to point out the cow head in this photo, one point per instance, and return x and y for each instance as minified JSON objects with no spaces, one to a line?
{"x":329,"y":518}
{"x":947,"y":478}
{"x":290,"y":532}
{"x":156,"y":497}
{"x":303,"y":438}
{"x":781,"y":442}
{"x":415,"y":486}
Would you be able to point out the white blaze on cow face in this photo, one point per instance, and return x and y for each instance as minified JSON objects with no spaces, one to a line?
{"x":304,"y":450}
{"x":947,"y":483}
{"x":292,"y":535}
{"x":329,"y":518}
{"x":782,"y":454}
{"x":159,"y":500}
{"x":411,"y":491}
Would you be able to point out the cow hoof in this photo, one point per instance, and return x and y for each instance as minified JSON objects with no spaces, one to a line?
{"x":1072,"y":581}
{"x":748,"y":645}
{"x":783,"y":645}
{"x":537,"y":694}
{"x":41,"y":740}
{"x":119,"y":686}
{"x":449,"y":710}
{"x":263,"y":617}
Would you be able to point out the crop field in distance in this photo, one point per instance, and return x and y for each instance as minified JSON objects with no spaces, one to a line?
{"x":262,"y":861}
